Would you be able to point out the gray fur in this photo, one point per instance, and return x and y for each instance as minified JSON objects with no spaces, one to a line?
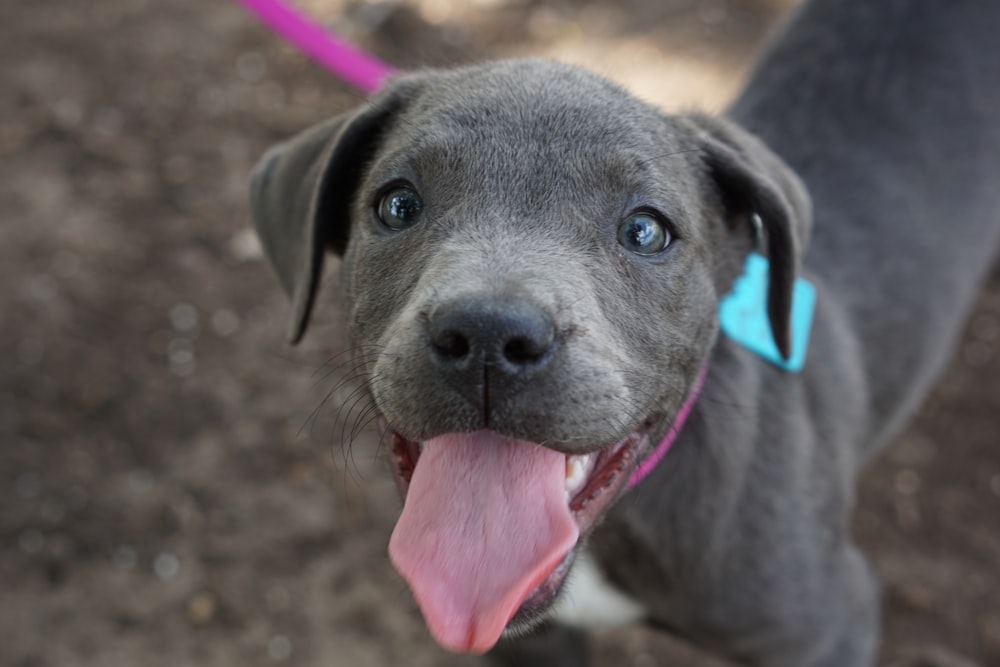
{"x":739,"y":541}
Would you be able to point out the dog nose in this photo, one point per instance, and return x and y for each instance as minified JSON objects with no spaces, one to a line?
{"x":510,"y":336}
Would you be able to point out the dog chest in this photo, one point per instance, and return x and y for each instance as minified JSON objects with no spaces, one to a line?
{"x":590,"y":601}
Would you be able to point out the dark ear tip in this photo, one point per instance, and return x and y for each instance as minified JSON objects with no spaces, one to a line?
{"x":301,"y":310}
{"x":784,"y":344}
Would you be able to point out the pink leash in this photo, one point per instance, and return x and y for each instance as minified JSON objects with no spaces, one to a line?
{"x":651,"y":461}
{"x":350,"y":64}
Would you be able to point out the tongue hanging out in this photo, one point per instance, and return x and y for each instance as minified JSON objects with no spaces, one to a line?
{"x":484,"y":522}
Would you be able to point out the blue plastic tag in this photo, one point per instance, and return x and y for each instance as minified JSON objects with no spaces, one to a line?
{"x":743,"y":315}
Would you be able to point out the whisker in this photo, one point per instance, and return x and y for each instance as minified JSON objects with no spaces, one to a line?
{"x":364,"y":418}
{"x":353,"y":356}
{"x":345,"y":444}
{"x":670,"y":154}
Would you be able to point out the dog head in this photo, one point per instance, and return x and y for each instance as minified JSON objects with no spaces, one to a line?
{"x":532,"y":266}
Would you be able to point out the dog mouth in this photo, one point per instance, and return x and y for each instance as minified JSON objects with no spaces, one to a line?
{"x":592,"y":480}
{"x":491,"y":525}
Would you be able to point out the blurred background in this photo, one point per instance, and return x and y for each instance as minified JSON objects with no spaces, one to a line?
{"x":174,"y":487}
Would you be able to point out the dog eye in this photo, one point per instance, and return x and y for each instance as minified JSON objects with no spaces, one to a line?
{"x":643,"y":234}
{"x":400,"y":208}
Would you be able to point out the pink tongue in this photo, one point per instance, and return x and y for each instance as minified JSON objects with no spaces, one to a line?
{"x":485,"y":521}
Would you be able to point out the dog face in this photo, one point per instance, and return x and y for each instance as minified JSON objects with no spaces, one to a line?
{"x":519,"y":229}
{"x":532,"y":265}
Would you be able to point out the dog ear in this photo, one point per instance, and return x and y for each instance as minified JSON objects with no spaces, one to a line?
{"x":301,"y":193}
{"x":755,"y":181}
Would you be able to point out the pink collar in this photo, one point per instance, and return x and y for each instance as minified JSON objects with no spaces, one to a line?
{"x":650,"y":462}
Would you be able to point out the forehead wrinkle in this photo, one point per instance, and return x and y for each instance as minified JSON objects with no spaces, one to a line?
{"x":523,"y":156}
{"x":414,"y":157}
{"x":631,"y":173}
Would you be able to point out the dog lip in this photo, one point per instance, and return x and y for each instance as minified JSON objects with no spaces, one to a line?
{"x":537,"y":604}
{"x":404,"y":454}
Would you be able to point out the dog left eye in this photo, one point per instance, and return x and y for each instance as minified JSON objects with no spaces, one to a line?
{"x":400,"y":208}
{"x":643,"y":234}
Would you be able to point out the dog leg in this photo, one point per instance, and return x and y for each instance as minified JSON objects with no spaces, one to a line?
{"x":858,"y":640}
{"x":843,"y":627}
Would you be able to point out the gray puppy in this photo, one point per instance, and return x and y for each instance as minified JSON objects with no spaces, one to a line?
{"x":533,"y":264}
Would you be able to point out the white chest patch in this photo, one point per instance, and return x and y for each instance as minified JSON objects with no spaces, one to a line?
{"x":589,"y":600}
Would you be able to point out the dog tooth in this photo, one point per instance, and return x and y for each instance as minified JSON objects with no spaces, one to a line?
{"x":576,"y":472}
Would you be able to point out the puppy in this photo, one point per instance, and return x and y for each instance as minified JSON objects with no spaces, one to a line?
{"x":533,"y":263}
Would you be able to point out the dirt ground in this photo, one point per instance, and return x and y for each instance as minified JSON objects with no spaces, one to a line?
{"x":174,"y":488}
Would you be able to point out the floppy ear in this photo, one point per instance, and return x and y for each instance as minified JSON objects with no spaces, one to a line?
{"x":755,"y":181}
{"x":301,"y":193}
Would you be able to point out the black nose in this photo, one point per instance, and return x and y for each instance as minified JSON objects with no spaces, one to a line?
{"x":505,"y":337}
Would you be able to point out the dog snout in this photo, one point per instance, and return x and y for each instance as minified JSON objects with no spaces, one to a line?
{"x":502,"y":338}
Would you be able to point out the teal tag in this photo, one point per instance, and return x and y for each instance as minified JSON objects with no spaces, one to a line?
{"x":743,"y":315}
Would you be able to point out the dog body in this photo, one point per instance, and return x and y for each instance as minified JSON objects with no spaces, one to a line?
{"x":887,"y":111}
{"x":532,"y":267}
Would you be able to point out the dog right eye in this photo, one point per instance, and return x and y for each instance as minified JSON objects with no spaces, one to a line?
{"x":400,"y":208}
{"x":643,"y":234}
